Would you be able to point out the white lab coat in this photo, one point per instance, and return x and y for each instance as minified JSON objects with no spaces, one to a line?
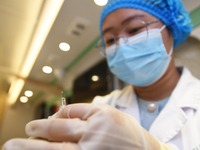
{"x":178,"y":123}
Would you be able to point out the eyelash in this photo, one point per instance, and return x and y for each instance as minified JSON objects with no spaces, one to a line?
{"x":135,"y":30}
{"x":110,"y":41}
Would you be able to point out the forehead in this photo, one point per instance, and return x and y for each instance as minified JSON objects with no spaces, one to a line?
{"x":119,"y":15}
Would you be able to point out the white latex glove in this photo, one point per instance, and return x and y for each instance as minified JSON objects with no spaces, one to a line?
{"x":87,"y":127}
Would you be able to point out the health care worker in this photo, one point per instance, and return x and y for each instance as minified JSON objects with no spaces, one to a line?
{"x":159,"y":110}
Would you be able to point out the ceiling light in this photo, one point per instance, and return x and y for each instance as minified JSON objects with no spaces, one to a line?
{"x":15,"y":90}
{"x":28,"y":93}
{"x":48,"y":15}
{"x":95,"y":78}
{"x":47,"y":69}
{"x":101,"y":2}
{"x":24,"y":99}
{"x":64,"y":46}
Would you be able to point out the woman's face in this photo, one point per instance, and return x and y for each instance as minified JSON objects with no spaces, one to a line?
{"x":116,"y":21}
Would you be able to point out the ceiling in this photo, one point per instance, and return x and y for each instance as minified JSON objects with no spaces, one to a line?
{"x":17,"y":25}
{"x":19,"y":19}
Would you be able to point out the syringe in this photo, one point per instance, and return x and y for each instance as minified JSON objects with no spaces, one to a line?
{"x":63,"y":100}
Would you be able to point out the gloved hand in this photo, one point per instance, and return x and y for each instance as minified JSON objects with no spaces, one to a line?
{"x":87,"y":127}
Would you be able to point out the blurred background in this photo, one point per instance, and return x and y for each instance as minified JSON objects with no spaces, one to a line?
{"x":45,"y":44}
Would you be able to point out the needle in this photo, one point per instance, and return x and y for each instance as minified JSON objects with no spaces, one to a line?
{"x":63,"y":100}
{"x":62,"y":92}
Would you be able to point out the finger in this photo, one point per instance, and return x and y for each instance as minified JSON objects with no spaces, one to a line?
{"x":74,"y":111}
{"x":25,"y":144}
{"x":57,"y":129}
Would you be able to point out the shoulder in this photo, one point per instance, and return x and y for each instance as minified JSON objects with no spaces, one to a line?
{"x":187,"y":82}
{"x":111,"y":98}
{"x":187,"y":75}
{"x":188,"y":90}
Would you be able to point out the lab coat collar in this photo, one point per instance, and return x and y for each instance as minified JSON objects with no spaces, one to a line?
{"x":126,"y":96}
{"x":172,"y":118}
{"x":127,"y":102}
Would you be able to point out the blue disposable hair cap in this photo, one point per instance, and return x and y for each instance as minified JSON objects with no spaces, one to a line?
{"x":171,"y":12}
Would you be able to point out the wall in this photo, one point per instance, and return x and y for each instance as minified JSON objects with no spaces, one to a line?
{"x":14,"y":121}
{"x":188,"y":54}
{"x":2,"y":106}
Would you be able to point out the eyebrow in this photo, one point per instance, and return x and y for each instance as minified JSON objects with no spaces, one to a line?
{"x":132,"y":18}
{"x":124,"y":21}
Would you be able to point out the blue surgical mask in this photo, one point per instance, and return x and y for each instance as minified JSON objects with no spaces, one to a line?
{"x":140,"y":62}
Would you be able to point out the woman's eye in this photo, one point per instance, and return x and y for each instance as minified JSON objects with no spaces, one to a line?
{"x":110,"y":41}
{"x":135,"y":30}
{"x":132,"y":31}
